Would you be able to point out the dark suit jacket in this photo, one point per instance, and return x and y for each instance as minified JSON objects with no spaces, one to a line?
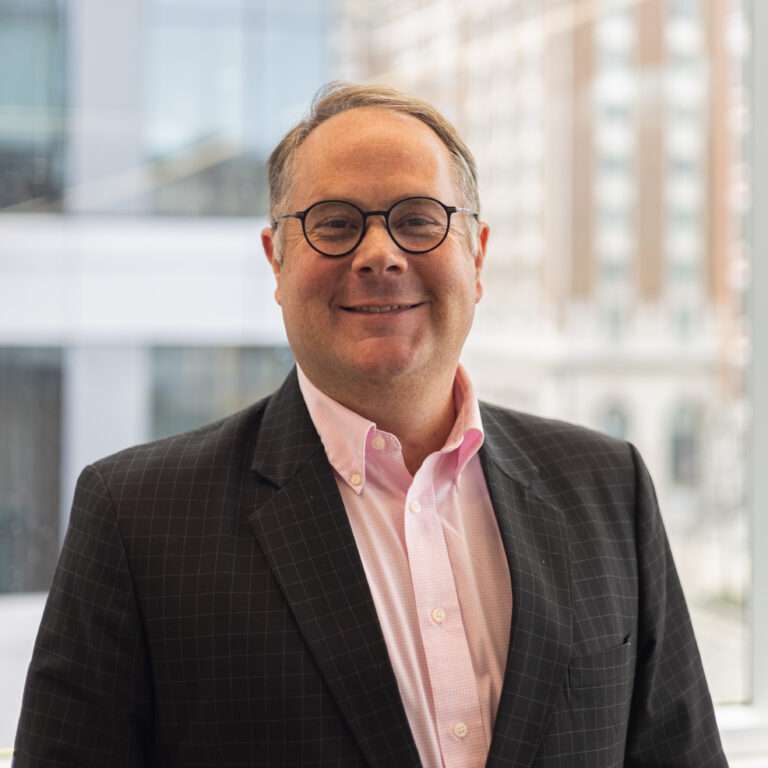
{"x":210,"y":609}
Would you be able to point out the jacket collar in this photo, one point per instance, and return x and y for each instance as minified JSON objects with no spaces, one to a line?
{"x":305,"y":534}
{"x":536,"y":543}
{"x":503,"y":447}
{"x":287,"y":438}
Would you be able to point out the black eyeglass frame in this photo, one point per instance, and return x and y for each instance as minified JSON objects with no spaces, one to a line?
{"x":302,"y":217}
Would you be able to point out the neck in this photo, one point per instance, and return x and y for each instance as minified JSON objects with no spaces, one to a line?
{"x":421,"y":417}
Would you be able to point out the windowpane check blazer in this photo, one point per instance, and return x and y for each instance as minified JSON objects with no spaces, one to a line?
{"x":210,"y":608}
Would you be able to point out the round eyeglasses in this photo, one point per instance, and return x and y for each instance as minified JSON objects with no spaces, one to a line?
{"x":335,"y":227}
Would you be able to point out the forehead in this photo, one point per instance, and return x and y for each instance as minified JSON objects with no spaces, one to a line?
{"x":372,"y":155}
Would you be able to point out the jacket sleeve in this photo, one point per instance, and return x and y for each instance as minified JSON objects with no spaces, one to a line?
{"x":87,"y":699}
{"x":672,"y":721}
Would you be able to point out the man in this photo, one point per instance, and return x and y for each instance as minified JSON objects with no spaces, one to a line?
{"x":367,"y":568}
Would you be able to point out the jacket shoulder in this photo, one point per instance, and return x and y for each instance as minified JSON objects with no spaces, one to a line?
{"x":196,"y":454}
{"x":546,"y":437}
{"x":557,"y":453}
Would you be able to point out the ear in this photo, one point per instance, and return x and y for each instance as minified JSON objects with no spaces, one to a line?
{"x":482,"y":244}
{"x":270,"y":251}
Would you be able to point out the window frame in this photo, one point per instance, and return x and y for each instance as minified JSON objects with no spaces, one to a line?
{"x":745,"y":728}
{"x":757,"y":224}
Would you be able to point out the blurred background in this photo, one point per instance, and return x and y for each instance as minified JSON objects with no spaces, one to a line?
{"x":135,"y":301}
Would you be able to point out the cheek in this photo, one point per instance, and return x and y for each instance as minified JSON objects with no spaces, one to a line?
{"x":463,"y":284}
{"x":309,"y":284}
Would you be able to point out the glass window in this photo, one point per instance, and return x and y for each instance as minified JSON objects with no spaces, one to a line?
{"x":685,"y":446}
{"x":220,"y":80}
{"x":32,"y":104}
{"x":194,"y":386}
{"x":30,"y":466}
{"x":683,"y":7}
{"x":614,"y":421}
{"x":635,"y":299}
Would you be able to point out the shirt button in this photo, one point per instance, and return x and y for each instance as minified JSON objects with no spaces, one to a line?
{"x":438,"y":615}
{"x":460,"y":730}
{"x":379,"y":443}
{"x":415,"y":507}
{"x":355,"y":478}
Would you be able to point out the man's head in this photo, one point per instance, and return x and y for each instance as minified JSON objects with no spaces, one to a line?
{"x":378,"y":313}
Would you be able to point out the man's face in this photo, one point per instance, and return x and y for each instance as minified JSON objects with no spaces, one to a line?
{"x":374,"y":157}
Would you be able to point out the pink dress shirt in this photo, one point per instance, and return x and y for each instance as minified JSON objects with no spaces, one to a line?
{"x":436,"y":567}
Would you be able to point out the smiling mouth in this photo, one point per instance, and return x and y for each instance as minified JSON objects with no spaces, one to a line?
{"x":381,"y":309}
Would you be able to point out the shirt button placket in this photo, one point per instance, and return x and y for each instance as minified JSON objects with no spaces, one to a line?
{"x":446,"y":647}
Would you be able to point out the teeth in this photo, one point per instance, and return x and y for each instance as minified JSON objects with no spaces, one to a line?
{"x":387,"y":308}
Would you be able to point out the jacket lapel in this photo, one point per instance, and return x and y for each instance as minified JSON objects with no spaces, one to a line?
{"x":305,"y":534}
{"x":534,"y":537}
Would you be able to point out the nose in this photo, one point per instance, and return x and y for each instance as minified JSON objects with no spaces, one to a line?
{"x":378,"y":253}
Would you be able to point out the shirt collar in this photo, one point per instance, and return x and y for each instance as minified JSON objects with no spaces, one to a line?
{"x":345,"y":434}
{"x":467,"y":434}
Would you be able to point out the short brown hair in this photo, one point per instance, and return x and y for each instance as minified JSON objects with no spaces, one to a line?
{"x":337,"y":97}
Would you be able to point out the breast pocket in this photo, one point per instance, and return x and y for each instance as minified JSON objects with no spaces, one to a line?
{"x":608,"y":667}
{"x":589,"y":720}
{"x":600,"y":686}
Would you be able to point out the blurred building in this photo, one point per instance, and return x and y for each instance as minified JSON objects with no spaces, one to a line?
{"x":608,"y":135}
{"x":134,"y":298}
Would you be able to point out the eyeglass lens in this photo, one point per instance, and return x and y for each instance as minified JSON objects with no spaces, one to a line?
{"x":417,"y":224}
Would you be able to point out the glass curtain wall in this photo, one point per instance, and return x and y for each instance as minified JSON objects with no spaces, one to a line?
{"x":194,"y":386}
{"x":222,"y":80}
{"x":30,"y":466}
{"x":32,"y":104}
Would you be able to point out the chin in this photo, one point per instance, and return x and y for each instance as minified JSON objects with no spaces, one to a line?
{"x":385,"y":367}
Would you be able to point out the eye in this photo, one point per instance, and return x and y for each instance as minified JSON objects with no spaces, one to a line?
{"x":418,"y":217}
{"x":415,"y":222}
{"x":337,"y":222}
{"x":335,"y":227}
{"x":417,"y":226}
